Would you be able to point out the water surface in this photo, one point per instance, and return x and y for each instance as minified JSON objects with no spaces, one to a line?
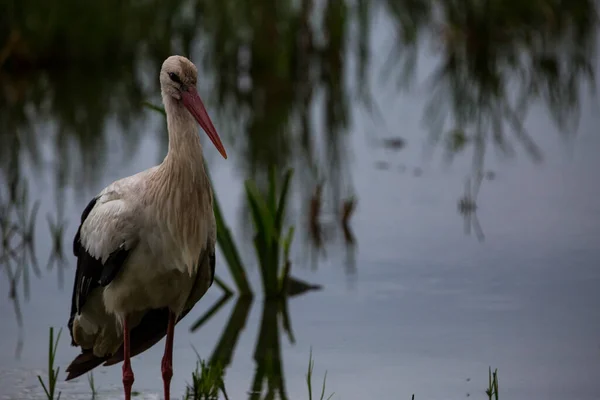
{"x":424,"y":309}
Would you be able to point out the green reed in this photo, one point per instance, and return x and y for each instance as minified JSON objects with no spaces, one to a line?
{"x":270,"y":241}
{"x":207,"y":382}
{"x":492,"y":389}
{"x":90,"y":378}
{"x":52,"y":372}
{"x":311,"y":365}
{"x":230,"y":251}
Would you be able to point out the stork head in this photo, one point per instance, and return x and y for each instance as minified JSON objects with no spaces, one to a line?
{"x":178,"y":77}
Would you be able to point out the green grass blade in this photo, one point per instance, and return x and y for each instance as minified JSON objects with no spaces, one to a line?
{"x":44,"y":387}
{"x":273,"y":241}
{"x":266,"y":248}
{"x":287,"y":241}
{"x":50,"y":358}
{"x":323,"y":388}
{"x":272,"y":191}
{"x":309,"y":375}
{"x":496,"y":383}
{"x":283,"y":200}
{"x":260,"y":211}
{"x":261,"y":255}
{"x":228,"y":247}
{"x":154,"y":107}
{"x":287,"y":244}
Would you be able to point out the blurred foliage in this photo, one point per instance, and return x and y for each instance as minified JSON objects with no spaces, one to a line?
{"x":70,"y":73}
{"x":490,"y":51}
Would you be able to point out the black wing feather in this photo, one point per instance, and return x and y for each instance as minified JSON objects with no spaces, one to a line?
{"x":84,"y":215}
{"x":211,"y":261}
{"x":91,"y":272}
{"x":113,"y":264}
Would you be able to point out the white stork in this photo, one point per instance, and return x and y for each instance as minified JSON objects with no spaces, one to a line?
{"x":146,"y":244}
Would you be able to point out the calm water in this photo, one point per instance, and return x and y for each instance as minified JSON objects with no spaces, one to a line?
{"x":427,"y":309}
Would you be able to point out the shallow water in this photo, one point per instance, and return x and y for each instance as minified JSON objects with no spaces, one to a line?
{"x":427,"y":309}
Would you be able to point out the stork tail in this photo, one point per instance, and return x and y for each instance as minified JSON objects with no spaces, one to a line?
{"x":151,"y":329}
{"x":83,"y":363}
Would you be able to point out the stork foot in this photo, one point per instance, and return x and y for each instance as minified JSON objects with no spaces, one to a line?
{"x":128,"y":379}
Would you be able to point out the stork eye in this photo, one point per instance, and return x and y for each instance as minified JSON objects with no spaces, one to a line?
{"x":174,"y":77}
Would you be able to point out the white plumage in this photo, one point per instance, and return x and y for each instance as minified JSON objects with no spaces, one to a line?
{"x":145,"y":246}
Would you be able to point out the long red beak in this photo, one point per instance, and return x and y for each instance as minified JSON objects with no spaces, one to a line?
{"x":192,"y":101}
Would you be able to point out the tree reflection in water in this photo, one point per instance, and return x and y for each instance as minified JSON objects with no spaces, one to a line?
{"x":273,"y":65}
{"x":279,"y":75}
{"x":268,"y":379}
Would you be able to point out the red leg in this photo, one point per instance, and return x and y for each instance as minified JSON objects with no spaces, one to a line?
{"x":127,"y":372}
{"x":167,"y":361}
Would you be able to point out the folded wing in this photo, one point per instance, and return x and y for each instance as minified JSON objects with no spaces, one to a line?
{"x":102,"y":244}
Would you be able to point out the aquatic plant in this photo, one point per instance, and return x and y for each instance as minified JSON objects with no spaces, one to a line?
{"x":230,"y":252}
{"x":207,"y":382}
{"x":90,"y":377}
{"x":270,"y":243}
{"x":52,"y":372}
{"x":311,"y":365}
{"x":208,"y":377}
{"x":492,"y":389}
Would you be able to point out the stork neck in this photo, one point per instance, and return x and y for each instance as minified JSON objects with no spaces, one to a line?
{"x":184,"y":141}
{"x":179,"y":188}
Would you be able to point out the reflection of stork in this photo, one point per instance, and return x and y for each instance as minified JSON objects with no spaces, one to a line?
{"x":146,"y":244}
{"x":467,"y":206}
